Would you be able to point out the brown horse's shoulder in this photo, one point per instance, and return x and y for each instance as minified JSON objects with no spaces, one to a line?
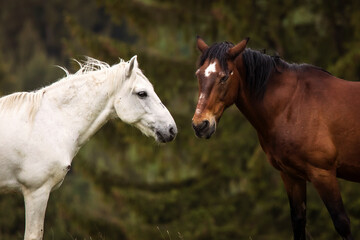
{"x":303,"y":144}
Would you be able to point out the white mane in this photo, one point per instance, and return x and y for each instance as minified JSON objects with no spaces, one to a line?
{"x":31,"y":101}
{"x":87,"y":66}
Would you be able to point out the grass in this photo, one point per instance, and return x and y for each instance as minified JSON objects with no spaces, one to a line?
{"x":168,"y":235}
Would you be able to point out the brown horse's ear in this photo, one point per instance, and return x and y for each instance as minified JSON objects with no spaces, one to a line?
{"x":202,"y":46}
{"x":238,"y":48}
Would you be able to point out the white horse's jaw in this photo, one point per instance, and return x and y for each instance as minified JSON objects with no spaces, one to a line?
{"x":161,"y":131}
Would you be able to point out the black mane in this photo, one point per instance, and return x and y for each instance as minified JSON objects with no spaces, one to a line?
{"x":259,"y":66}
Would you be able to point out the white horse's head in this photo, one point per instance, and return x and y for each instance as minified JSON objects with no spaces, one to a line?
{"x":137,"y":104}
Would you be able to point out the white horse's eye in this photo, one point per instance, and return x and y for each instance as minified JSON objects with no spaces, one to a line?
{"x":142,"y":94}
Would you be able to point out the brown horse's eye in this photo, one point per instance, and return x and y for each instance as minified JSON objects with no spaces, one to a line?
{"x":224,"y":78}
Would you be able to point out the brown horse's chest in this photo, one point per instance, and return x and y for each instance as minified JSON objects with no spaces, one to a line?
{"x":291,"y":166}
{"x":280,"y":155}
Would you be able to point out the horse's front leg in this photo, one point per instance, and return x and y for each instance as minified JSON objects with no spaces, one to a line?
{"x":327,"y":186}
{"x":35,"y":206}
{"x":296,"y":191}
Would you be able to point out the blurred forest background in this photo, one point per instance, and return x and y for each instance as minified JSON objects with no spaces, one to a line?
{"x":125,"y":186}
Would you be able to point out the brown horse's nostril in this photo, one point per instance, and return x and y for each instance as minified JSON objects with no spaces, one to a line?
{"x":204,"y":129}
{"x":203,"y":125}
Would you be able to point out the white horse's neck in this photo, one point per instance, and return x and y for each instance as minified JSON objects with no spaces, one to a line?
{"x":83,"y":103}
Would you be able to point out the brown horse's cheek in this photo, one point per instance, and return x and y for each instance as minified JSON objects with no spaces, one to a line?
{"x":219,"y":109}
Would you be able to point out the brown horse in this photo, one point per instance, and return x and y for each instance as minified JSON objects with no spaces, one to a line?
{"x":307,"y":121}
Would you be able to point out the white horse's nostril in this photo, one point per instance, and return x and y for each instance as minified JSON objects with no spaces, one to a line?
{"x":166,"y":135}
{"x":173,"y":132}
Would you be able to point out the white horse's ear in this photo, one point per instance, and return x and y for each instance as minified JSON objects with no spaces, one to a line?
{"x":133,"y":63}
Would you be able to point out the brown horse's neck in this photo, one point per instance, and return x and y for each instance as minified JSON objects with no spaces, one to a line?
{"x":261,"y":112}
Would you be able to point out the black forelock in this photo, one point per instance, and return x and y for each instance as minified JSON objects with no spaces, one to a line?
{"x":217,"y":51}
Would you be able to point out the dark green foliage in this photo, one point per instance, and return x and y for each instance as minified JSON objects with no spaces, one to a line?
{"x":125,"y":186}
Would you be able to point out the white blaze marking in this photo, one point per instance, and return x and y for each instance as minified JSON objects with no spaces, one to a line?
{"x":201,"y":98}
{"x":210,"y":69}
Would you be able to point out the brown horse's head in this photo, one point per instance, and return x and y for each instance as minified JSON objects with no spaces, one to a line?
{"x":218,"y":84}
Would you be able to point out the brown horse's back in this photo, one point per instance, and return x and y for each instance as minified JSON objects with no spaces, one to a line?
{"x":319,"y":127}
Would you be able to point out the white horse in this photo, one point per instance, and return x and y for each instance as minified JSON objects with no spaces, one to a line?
{"x":41,"y":131}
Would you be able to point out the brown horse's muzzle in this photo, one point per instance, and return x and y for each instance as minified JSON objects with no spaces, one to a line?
{"x":204,"y":129}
